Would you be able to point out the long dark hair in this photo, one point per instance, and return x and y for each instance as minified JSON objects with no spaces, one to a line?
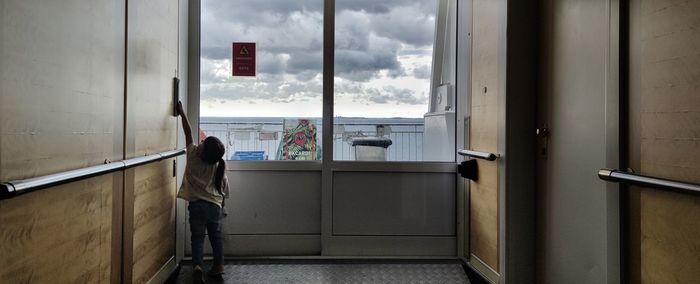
{"x":212,"y":153}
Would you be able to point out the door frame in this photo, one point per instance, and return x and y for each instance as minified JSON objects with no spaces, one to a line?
{"x":615,"y":151}
{"x":464,"y":87}
{"x":615,"y":114}
{"x":327,"y":165}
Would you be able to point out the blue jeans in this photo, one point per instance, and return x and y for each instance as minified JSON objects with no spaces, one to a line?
{"x":206,"y":216}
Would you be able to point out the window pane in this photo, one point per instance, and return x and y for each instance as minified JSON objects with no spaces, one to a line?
{"x":383,"y":72}
{"x":274,"y":115}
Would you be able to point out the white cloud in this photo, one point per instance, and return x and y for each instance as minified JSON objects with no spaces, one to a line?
{"x":382,"y":57}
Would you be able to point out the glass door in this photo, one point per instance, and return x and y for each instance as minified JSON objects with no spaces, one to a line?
{"x":339,"y":119}
{"x":390,"y":188}
{"x":261,"y":94}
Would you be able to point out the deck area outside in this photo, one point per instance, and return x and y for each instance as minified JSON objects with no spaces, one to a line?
{"x":265,"y":134}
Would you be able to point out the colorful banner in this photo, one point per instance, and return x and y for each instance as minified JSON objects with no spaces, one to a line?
{"x":299,"y":142}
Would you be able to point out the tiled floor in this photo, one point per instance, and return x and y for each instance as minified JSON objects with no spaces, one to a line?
{"x":334,"y":272}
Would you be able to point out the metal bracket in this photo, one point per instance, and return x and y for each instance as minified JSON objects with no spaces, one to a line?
{"x":7,"y":190}
{"x":468,"y":169}
{"x":176,"y":95}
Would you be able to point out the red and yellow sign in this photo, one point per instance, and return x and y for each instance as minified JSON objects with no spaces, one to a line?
{"x":243,"y":59}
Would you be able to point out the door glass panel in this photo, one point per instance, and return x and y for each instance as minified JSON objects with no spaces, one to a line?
{"x":275,"y":114}
{"x":384,"y":71}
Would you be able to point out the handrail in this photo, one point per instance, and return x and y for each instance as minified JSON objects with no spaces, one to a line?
{"x":477,"y":154}
{"x":17,"y":187}
{"x":647,"y":181}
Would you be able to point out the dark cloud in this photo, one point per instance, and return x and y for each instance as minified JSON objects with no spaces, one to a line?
{"x":369,"y":38}
{"x":422,"y":72}
{"x":216,"y":52}
{"x":381,"y":7}
{"x":297,"y":31}
{"x":394,"y":95}
{"x":396,"y":73}
{"x":364,"y":63}
{"x":394,"y":25}
{"x":350,"y":63}
{"x":271,"y":63}
{"x":261,"y":12}
{"x":223,"y":8}
{"x":308,"y":75}
{"x":352,"y":31}
{"x":384,"y":95}
{"x":416,"y":51}
{"x":265,"y":88}
{"x":305,"y":61}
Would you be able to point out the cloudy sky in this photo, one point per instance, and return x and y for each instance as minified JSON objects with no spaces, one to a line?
{"x":382,"y":57}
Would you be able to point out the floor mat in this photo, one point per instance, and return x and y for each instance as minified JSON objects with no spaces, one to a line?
{"x":275,"y":272}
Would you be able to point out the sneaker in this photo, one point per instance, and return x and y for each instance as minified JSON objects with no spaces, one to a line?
{"x":197,"y":275}
{"x":216,"y":270}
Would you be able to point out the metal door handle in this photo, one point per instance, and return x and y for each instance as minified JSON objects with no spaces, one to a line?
{"x":647,"y":181}
{"x":478,"y":155}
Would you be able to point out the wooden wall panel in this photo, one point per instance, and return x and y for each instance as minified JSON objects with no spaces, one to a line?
{"x":62,"y":78}
{"x":664,"y":88}
{"x":488,"y":18}
{"x":151,"y":65}
{"x":154,"y":219}
{"x":61,"y":108}
{"x":670,"y":247}
{"x":61,"y":85}
{"x":58,"y":235}
{"x":152,"y":60}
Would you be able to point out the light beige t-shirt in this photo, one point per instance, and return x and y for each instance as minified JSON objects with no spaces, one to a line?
{"x":198,"y":183}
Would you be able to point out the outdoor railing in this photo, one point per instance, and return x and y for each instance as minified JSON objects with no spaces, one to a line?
{"x":407,"y":139}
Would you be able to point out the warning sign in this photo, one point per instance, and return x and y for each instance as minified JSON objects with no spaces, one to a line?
{"x":243,"y":59}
